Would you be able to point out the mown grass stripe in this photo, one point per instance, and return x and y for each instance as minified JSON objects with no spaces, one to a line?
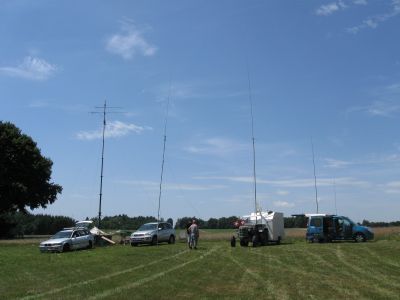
{"x":86,"y":282}
{"x":119,"y":289}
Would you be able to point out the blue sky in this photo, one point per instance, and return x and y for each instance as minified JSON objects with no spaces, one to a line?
{"x":327,"y":71}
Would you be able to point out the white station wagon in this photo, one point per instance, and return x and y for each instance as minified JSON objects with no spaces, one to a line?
{"x":68,"y":239}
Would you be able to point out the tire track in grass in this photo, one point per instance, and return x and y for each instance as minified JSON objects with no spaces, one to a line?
{"x":86,"y":282}
{"x":378,"y":258}
{"x":119,"y":289}
{"x":378,"y":278}
{"x":271,"y":290}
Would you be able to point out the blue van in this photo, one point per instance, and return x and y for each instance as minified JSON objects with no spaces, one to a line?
{"x":328,"y":228}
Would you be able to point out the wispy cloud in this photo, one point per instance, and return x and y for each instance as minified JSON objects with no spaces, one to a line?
{"x":32,"y":68}
{"x":216,"y":146}
{"x":282,"y":192}
{"x":335,"y":163}
{"x":374,"y":21}
{"x":293,"y":183}
{"x":328,"y":9}
{"x":392,"y":187}
{"x":284,"y":204}
{"x":113,"y":129}
{"x":335,"y":6}
{"x":129,"y":42}
{"x":152,"y":185}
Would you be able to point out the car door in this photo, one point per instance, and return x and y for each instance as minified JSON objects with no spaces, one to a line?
{"x":75,"y":240}
{"x":347,"y":229}
{"x":161,"y":232}
{"x":315,"y":228}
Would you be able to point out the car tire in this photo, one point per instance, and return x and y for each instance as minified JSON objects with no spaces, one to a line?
{"x":359,"y":237}
{"x":154,"y":240}
{"x":66,"y":248}
{"x":171,"y":240}
{"x":134,"y":244}
{"x":90,"y":246}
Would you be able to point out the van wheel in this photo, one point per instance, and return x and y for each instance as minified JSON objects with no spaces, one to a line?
{"x":359,"y":237}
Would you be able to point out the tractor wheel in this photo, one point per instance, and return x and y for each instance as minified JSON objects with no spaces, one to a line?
{"x":255,"y":241}
{"x":244,"y":243}
{"x":233,"y":241}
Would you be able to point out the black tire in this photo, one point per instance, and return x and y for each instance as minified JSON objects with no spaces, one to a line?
{"x":244,"y":243}
{"x":359,"y":237}
{"x":233,"y":241}
{"x":171,"y":239}
{"x":66,"y":248}
{"x":255,"y":241}
{"x":90,"y":246}
{"x":278,"y":242}
{"x":134,"y":244}
{"x":154,"y":240}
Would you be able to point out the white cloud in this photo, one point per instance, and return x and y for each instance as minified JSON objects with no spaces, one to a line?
{"x":360,"y":2}
{"x":32,"y":68}
{"x":335,"y":163}
{"x":282,"y":193}
{"x":283,"y":204}
{"x":129,"y":42}
{"x":327,"y":9}
{"x":392,"y":187}
{"x":374,"y":21}
{"x":293,"y":183}
{"x":113,"y":129}
{"x":216,"y":146}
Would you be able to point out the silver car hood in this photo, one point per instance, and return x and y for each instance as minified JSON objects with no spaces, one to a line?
{"x":55,"y":241}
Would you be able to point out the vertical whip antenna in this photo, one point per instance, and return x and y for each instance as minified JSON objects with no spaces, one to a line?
{"x":315,"y":176}
{"x":253,"y":141}
{"x":163,"y":157}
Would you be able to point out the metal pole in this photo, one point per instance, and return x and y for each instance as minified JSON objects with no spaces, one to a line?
{"x":315,"y":176}
{"x":102,"y":165}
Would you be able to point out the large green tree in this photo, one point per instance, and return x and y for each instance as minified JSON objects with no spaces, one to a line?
{"x":24,"y":173}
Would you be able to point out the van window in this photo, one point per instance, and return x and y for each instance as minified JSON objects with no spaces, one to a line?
{"x":317,"y":222}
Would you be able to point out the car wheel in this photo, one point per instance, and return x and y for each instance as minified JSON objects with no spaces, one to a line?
{"x":171,"y":240}
{"x":359,"y":237}
{"x":154,"y":240}
{"x":134,"y":244}
{"x":90,"y":246}
{"x":66,"y":248}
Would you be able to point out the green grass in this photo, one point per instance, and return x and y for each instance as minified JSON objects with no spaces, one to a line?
{"x":294,"y":270}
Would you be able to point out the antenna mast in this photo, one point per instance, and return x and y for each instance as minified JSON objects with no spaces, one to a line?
{"x":254,"y":148}
{"x":104,"y":113}
{"x":315,"y":176}
{"x":163,"y":158}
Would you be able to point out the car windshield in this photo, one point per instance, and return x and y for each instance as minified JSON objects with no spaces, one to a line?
{"x":62,"y":235}
{"x":146,"y":227}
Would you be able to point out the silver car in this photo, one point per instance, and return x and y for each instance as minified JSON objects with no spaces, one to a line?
{"x":68,"y":239}
{"x":149,"y":234}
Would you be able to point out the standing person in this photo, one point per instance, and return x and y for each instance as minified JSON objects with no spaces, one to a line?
{"x":188,"y":233}
{"x":194,"y":235}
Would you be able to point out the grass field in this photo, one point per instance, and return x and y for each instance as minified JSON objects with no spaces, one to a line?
{"x":293,"y":270}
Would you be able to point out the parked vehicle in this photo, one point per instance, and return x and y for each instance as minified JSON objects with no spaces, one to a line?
{"x":68,"y":239}
{"x":327,"y":228}
{"x":260,"y":230}
{"x":149,"y":234}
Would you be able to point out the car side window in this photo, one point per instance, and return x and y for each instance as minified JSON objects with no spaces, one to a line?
{"x":168,"y":226}
{"x":161,"y":226}
{"x":75,"y":234}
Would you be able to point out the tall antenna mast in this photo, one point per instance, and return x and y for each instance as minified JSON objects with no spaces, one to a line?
{"x":163,"y":158}
{"x":315,"y":176}
{"x":334,"y":190}
{"x":254,"y":148}
{"x":104,"y":112}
